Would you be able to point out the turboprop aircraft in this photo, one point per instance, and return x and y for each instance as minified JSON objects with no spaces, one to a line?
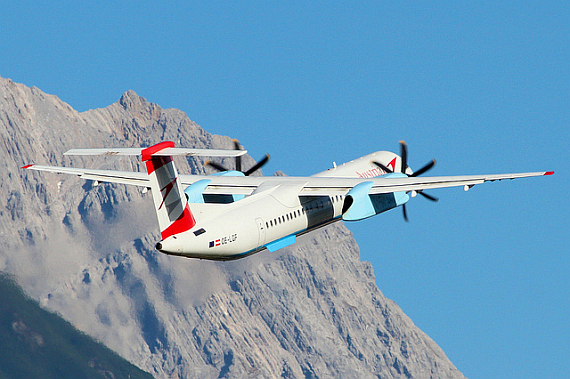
{"x":230,"y":214}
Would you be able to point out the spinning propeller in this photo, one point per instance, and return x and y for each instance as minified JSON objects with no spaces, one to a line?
{"x":255,"y":167}
{"x":403,"y":167}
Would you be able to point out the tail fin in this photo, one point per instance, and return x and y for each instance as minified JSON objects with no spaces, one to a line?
{"x":171,"y":206}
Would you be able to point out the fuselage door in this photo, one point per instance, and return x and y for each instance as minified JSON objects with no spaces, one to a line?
{"x":261,"y":228}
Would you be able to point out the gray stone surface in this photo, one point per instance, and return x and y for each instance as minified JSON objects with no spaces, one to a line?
{"x":87,"y":252}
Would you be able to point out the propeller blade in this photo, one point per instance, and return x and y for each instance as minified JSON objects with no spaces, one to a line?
{"x":429,"y":197}
{"x":386,"y":169}
{"x":238,"y":163}
{"x":257,"y":166}
{"x":405,"y":213}
{"x":215,"y":165}
{"x":424,"y":169}
{"x":404,"y":156}
{"x":237,"y":146}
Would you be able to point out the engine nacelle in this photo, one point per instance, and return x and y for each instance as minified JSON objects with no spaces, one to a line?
{"x":195,"y":191}
{"x":359,"y":204}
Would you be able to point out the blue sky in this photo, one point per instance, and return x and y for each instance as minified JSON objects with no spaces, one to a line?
{"x":483,"y":88}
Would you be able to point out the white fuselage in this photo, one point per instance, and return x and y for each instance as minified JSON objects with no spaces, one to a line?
{"x":249,"y":225}
{"x":268,"y":218}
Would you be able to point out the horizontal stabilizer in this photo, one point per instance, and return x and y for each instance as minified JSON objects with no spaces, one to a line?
{"x":169,"y":151}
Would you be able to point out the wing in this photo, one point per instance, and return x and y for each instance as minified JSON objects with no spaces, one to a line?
{"x":109,"y":176}
{"x":323,"y":186}
{"x":309,"y":186}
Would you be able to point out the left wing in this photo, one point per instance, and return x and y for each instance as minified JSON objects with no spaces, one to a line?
{"x":109,"y":176}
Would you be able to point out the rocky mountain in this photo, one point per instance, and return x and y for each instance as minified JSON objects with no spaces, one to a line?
{"x":87,"y":252}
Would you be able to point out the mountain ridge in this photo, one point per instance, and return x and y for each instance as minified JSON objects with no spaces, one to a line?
{"x":87,"y":252}
{"x":37,"y":343}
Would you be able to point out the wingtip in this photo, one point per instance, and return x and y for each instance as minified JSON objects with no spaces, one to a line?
{"x":27,"y":166}
{"x":549,"y":173}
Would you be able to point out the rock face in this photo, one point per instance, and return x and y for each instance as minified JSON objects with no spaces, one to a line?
{"x":87,"y":252}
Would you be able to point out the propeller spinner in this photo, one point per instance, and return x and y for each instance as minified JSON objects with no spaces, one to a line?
{"x":403,"y":167}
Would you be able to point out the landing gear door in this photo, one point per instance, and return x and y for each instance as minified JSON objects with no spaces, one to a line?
{"x":261,"y":228}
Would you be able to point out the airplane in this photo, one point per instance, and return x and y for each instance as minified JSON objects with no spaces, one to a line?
{"x":231,"y":214}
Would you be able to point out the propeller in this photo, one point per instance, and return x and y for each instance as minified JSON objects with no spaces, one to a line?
{"x":403,"y":167}
{"x":237,"y":146}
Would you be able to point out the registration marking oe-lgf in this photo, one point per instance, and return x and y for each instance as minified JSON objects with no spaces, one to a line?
{"x":223,"y":240}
